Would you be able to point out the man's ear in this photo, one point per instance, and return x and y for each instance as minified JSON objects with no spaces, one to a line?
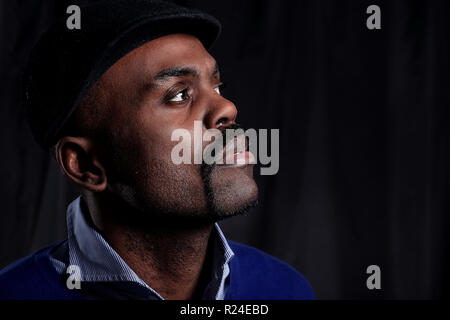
{"x":78,"y":161}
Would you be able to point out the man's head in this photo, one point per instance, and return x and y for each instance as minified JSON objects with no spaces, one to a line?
{"x":107,"y":98}
{"x":120,"y":143}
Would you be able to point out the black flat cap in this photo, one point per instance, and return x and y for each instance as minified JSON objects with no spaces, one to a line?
{"x":66,"y":63}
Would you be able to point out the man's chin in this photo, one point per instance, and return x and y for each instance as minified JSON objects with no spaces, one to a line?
{"x":222,"y":215}
{"x":231,"y":191}
{"x":214,"y":214}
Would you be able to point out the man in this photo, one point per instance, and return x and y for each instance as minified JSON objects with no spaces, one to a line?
{"x":105,"y":100}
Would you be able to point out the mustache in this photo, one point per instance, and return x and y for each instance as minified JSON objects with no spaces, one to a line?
{"x":233,"y":126}
{"x":208,"y":168}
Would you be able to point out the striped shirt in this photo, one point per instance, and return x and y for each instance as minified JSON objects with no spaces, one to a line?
{"x":105,"y":273}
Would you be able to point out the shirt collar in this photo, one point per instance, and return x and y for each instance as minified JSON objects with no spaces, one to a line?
{"x":98,"y":261}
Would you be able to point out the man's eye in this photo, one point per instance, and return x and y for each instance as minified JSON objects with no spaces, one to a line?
{"x":180,"y":96}
{"x":220,"y":88}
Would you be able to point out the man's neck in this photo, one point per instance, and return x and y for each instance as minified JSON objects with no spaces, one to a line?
{"x":170,"y":259}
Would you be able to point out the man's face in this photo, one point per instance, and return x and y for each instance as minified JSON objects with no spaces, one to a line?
{"x":164,"y":85}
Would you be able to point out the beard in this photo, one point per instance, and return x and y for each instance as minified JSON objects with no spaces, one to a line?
{"x":216,"y":209}
{"x":160,"y":192}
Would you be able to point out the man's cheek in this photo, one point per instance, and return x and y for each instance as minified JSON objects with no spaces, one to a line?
{"x":185,"y":146}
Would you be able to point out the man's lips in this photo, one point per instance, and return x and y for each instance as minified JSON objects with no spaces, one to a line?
{"x":235,"y":153}
{"x":241,"y":159}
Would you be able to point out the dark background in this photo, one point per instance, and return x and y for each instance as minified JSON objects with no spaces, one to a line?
{"x":363,"y":118}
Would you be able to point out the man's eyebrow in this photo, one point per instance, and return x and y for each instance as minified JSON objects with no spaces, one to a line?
{"x":181,"y":71}
{"x":175,"y":72}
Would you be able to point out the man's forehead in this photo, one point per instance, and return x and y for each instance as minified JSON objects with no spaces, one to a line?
{"x":173,"y":51}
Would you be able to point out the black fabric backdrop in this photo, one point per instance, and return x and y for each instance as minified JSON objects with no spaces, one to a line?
{"x":363,"y":118}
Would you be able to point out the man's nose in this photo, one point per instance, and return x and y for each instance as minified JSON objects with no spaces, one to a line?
{"x":221,"y":113}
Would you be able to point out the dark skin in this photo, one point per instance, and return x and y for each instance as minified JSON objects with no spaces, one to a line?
{"x":155,"y":214}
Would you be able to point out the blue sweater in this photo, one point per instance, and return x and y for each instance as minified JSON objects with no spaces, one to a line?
{"x":253,"y":275}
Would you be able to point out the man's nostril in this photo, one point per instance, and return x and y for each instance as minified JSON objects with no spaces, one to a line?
{"x":222,"y":122}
